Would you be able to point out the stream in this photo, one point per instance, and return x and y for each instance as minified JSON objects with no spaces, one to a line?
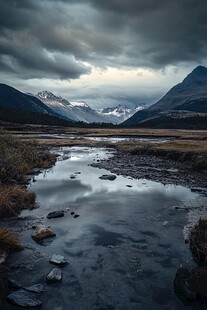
{"x":124,"y":248}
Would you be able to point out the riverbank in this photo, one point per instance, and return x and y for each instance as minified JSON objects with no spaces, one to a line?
{"x":130,"y":162}
{"x":18,"y":161}
{"x":186,"y":146}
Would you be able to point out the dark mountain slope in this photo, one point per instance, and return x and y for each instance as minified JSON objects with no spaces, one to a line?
{"x":190,"y":95}
{"x":12,"y":98}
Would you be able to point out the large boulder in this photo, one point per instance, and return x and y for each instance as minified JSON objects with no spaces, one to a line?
{"x":41,"y":232}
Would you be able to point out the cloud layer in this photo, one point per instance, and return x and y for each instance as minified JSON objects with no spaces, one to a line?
{"x":48,"y":39}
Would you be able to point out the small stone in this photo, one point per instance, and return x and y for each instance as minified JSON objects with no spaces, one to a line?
{"x":58,"y":260}
{"x":110,"y":177}
{"x":73,"y":176}
{"x":165,"y":223}
{"x":76,"y":215}
{"x":41,"y":232}
{"x":129,"y":186}
{"x":24,"y":299}
{"x":3,"y":256}
{"x":55,"y":214}
{"x":72,"y":213}
{"x":55,"y":275}
{"x":36,"y":288}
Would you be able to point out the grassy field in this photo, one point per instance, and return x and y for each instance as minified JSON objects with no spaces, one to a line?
{"x":188,"y":146}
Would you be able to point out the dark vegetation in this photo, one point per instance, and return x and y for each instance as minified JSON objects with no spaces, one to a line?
{"x":13,"y":115}
{"x":198,"y":122}
{"x":9,"y":240}
{"x":17,"y":159}
{"x":191,"y":283}
{"x":198,"y":242}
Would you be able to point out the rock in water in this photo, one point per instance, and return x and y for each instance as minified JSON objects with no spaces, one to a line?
{"x":36,"y":288}
{"x":76,"y":215}
{"x":55,"y":214}
{"x":58,"y":260}
{"x":73,"y":176}
{"x":55,"y":275}
{"x":110,"y":177}
{"x":41,"y":232}
{"x":24,"y":299}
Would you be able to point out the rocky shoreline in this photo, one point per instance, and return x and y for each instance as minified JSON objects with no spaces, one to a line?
{"x":155,"y":169}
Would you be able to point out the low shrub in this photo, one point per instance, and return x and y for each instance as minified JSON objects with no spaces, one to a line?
{"x":8,"y":240}
{"x":18,"y":158}
{"x":198,"y":241}
{"x":14,"y":199}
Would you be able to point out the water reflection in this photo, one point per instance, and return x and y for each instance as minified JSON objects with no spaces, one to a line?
{"x":121,"y":255}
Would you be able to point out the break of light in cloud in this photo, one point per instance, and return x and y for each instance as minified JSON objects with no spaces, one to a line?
{"x":102,"y":52}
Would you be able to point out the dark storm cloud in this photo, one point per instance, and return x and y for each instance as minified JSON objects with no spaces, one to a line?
{"x":48,"y":38}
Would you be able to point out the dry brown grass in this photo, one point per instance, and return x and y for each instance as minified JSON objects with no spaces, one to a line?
{"x":179,"y":133}
{"x":70,"y":142}
{"x":9,"y":240}
{"x":198,"y":241}
{"x":17,"y":158}
{"x":14,"y":199}
{"x":193,"y":152}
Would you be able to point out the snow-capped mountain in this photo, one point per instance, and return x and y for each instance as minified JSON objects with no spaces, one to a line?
{"x":77,"y":111}
{"x":81,"y":111}
{"x":122,"y":112}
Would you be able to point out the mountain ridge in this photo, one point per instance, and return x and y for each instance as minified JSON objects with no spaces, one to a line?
{"x":81,"y":111}
{"x":188,"y":96}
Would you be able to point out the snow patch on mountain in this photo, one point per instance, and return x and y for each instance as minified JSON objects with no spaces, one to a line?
{"x":121,"y":112}
{"x":79,"y":104}
{"x":81,"y":111}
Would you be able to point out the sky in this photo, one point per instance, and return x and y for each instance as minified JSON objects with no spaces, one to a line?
{"x":103,"y":52}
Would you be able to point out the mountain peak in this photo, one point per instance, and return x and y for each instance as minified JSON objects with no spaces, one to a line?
{"x":200,"y":69}
{"x":199,"y":74}
{"x":46,"y":96}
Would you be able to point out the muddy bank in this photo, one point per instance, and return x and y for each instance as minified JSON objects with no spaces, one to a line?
{"x":154,"y":168}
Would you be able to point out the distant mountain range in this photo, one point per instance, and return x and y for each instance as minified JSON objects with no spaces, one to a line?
{"x":182,"y":103}
{"x":184,"y":106}
{"x":81,"y":111}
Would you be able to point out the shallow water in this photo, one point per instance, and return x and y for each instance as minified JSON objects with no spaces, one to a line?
{"x":124,"y":248}
{"x":110,"y":139}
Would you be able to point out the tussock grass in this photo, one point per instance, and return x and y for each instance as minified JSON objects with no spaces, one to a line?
{"x":9,"y":240}
{"x":14,"y":199}
{"x":198,"y":241}
{"x":17,"y":158}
